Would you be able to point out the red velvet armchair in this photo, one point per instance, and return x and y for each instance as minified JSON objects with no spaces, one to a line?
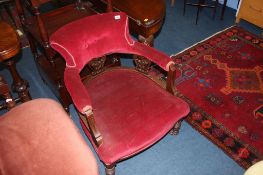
{"x":123,"y":110}
{"x":39,"y":138}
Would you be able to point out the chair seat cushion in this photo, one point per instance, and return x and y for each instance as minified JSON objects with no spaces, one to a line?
{"x":131,"y":111}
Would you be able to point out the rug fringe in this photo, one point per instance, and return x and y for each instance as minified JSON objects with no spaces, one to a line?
{"x":202,"y":41}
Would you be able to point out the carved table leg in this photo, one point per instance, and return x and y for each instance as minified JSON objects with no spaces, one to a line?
{"x":19,"y":85}
{"x":175,"y":130}
{"x":147,"y":41}
{"x":172,"y":3}
{"x":4,"y":92}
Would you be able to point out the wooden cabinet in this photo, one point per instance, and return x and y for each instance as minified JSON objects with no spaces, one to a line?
{"x":251,"y":11}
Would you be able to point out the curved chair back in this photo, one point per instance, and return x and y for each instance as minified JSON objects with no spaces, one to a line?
{"x":83,"y":40}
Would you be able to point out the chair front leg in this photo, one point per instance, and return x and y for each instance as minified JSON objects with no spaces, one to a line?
{"x":110,"y":169}
{"x":175,"y":130}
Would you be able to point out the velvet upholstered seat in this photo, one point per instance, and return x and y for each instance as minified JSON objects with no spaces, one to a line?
{"x":39,"y":138}
{"x":124,"y":110}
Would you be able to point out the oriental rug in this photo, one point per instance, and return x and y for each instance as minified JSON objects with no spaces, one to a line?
{"x":222,"y":80}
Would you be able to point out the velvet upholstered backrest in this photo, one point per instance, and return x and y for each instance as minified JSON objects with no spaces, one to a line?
{"x":94,"y":36}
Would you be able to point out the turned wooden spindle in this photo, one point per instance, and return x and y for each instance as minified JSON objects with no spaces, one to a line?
{"x":109,"y":6}
{"x":5,"y":93}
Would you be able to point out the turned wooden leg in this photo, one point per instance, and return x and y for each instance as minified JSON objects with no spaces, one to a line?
{"x":32,"y":46}
{"x":175,"y":130}
{"x":5,"y":93}
{"x":110,"y":170}
{"x":172,"y":2}
{"x":19,"y":85}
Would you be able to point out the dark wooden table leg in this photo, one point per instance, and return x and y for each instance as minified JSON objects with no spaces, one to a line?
{"x":7,"y":7}
{"x":223,"y":10}
{"x":19,"y":85}
{"x":5,"y":93}
{"x":147,"y":41}
{"x":9,"y":48}
{"x":172,"y":3}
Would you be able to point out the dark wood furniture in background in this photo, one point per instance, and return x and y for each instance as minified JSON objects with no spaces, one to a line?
{"x":172,"y":3}
{"x":38,"y":26}
{"x":6,"y":5}
{"x":145,"y":16}
{"x":222,"y":11}
{"x":9,"y":102}
{"x":201,"y":4}
{"x":146,"y":19}
{"x":10,"y":47}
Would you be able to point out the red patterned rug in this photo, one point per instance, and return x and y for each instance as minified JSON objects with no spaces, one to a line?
{"x":222,"y":79}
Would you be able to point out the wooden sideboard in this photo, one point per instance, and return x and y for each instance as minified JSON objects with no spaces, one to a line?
{"x":251,"y":11}
{"x":145,"y":17}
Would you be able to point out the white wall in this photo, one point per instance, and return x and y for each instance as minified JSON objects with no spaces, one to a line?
{"x":230,"y":3}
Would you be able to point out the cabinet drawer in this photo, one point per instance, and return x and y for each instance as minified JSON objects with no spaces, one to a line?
{"x":251,"y":11}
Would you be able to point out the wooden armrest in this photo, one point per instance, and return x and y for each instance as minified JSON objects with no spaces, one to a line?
{"x":96,"y":135}
{"x":77,"y":90}
{"x":170,"y":81}
{"x":82,"y":101}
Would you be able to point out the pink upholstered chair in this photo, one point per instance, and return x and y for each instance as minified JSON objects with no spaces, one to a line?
{"x":123,"y":110}
{"x":39,"y":138}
